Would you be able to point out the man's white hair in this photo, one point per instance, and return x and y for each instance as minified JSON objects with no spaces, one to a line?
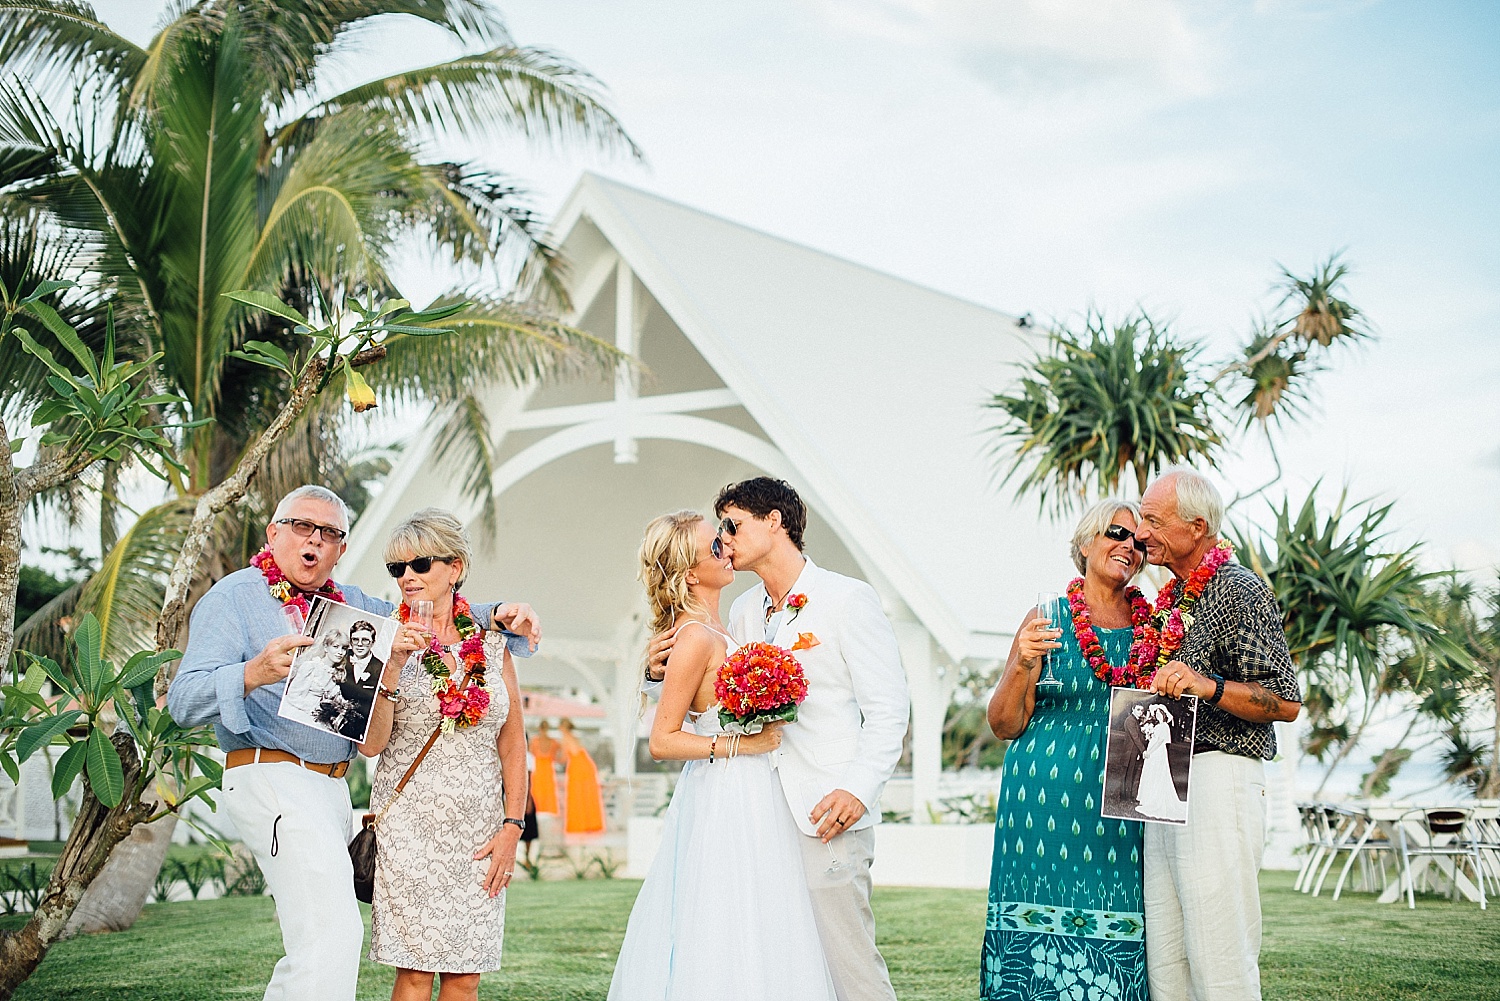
{"x":1197,"y":497}
{"x":312,"y":491}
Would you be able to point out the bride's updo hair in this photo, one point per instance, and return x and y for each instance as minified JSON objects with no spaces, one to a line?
{"x":668,"y":552}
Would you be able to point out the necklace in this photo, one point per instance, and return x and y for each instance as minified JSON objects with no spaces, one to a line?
{"x":1129,"y":673}
{"x":283,"y":590}
{"x":459,"y":707}
{"x":1173,"y":615}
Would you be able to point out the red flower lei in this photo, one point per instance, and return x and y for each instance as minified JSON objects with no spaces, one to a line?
{"x":284,"y":590}
{"x":1173,"y":615}
{"x":460,"y":707}
{"x":1135,"y":671}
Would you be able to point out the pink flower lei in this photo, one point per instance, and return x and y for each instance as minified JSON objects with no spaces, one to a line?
{"x":1131,"y":672}
{"x":460,"y":707}
{"x":283,"y":590}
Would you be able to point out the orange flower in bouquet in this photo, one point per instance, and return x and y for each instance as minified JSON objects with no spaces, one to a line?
{"x":758,"y":684}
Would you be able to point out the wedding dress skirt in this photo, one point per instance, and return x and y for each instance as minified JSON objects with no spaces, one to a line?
{"x":724,"y":912}
{"x":1157,"y":795}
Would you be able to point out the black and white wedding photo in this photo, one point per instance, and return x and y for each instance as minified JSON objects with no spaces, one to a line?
{"x":332,"y":683}
{"x":1149,"y":756}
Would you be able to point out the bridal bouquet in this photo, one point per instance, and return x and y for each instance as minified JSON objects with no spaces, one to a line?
{"x":758,"y":684}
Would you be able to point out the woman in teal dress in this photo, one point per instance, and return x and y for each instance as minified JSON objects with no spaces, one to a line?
{"x":1064,"y":918}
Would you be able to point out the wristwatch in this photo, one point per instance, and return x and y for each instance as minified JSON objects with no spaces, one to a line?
{"x":1218,"y":694}
{"x":521,"y":824}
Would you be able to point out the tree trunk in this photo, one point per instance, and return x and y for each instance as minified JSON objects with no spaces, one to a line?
{"x":95,"y":834}
{"x":115,"y":899}
{"x":10,"y":547}
{"x":1491,"y":789}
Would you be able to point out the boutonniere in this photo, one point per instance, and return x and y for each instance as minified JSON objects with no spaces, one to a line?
{"x":796,"y":603}
{"x":806,"y":641}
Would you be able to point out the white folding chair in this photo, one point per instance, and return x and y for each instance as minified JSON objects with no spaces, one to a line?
{"x":1371,"y":847}
{"x":1441,"y":832}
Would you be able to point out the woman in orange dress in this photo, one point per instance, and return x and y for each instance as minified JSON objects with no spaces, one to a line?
{"x":584,"y":813}
{"x":544,"y":771}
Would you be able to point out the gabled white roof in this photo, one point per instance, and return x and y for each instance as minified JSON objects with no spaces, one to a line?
{"x":873,"y":388}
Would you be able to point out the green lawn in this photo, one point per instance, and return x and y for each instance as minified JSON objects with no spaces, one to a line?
{"x":561,"y":940}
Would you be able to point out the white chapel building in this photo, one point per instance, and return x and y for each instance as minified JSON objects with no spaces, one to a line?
{"x":758,"y":356}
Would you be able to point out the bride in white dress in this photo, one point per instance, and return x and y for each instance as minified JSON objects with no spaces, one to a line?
{"x":725,"y":911}
{"x":1157,"y":794}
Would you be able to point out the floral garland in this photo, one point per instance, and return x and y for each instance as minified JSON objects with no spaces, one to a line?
{"x":1173,"y":615}
{"x":459,"y":707}
{"x":1136,"y":671}
{"x":284,"y":590}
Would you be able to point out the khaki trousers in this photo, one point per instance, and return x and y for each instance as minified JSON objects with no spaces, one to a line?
{"x":1202,"y":899}
{"x":841,"y":908}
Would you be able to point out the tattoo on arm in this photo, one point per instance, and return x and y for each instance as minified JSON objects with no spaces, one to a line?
{"x":1264,"y":700}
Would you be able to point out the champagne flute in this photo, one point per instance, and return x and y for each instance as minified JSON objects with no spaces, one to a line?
{"x":421,"y":614}
{"x":294,"y":620}
{"x":1046,"y":606}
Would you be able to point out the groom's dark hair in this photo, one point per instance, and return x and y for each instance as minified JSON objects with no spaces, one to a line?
{"x":762,"y":495}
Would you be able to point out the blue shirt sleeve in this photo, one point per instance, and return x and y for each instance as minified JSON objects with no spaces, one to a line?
{"x":210,"y":682}
{"x":483,"y":612}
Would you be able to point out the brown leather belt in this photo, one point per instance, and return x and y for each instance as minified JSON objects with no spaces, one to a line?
{"x":265,"y":755}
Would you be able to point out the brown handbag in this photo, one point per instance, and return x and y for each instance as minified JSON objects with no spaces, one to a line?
{"x":363,"y":848}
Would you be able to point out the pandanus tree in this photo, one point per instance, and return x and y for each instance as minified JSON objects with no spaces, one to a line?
{"x":1123,"y":401}
{"x":218,"y":158}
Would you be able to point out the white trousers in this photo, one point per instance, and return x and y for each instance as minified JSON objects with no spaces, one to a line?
{"x":297,"y":823}
{"x":841,"y":909}
{"x":1201,"y":895}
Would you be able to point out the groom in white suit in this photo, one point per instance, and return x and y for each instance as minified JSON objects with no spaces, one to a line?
{"x":835,"y":760}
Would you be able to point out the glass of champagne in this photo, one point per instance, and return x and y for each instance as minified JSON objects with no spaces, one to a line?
{"x":1046,"y":607}
{"x":421,"y":614}
{"x":294,"y":620}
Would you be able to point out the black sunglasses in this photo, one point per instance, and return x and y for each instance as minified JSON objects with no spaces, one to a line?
{"x":420,"y":564}
{"x":1119,"y":533}
{"x":304,"y":530}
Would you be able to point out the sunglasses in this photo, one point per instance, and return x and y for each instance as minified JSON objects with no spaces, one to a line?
{"x":717,"y":548}
{"x":729,"y":527}
{"x":304,"y":529}
{"x":1119,"y":533}
{"x":419,"y":564}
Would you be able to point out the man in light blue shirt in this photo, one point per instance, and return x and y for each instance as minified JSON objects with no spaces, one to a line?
{"x":283,"y":787}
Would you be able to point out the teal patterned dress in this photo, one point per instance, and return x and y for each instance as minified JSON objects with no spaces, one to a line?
{"x":1064,"y":917}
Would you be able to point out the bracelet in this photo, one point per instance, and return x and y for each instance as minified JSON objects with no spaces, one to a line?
{"x":390,"y":694}
{"x":520,"y":824}
{"x":1218,"y":694}
{"x":712,"y":747}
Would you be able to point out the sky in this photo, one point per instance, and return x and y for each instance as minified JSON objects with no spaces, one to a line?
{"x":1051,"y":156}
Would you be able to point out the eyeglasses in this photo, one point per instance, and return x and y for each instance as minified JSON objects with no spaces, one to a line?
{"x":729,"y":527}
{"x":419,"y":564}
{"x":717,"y":548}
{"x":304,"y":530}
{"x":1119,"y":533}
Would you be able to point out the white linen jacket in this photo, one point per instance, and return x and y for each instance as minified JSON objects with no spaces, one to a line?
{"x":850,"y":728}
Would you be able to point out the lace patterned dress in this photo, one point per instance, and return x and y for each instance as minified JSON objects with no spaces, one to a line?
{"x":431,"y":911}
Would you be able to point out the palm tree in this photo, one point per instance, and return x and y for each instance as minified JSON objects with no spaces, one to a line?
{"x":1095,"y":405}
{"x":215,"y":159}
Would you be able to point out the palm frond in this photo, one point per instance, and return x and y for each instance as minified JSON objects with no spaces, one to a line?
{"x":466,"y":436}
{"x":45,"y":631}
{"x":42,"y":38}
{"x":493,"y":340}
{"x":1274,"y":378}
{"x":531,"y":91}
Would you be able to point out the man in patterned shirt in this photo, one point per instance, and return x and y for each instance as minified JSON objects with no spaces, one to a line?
{"x":1201,"y":897}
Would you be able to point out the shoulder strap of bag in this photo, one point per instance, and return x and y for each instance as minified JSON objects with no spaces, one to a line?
{"x":410,"y":771}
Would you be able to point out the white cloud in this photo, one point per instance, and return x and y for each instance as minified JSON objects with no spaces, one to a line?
{"x":1055,"y":45}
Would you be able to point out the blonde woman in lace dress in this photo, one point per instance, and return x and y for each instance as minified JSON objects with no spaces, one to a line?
{"x":448,"y":841}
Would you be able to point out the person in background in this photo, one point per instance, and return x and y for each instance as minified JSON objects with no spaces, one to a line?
{"x":584,"y":811}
